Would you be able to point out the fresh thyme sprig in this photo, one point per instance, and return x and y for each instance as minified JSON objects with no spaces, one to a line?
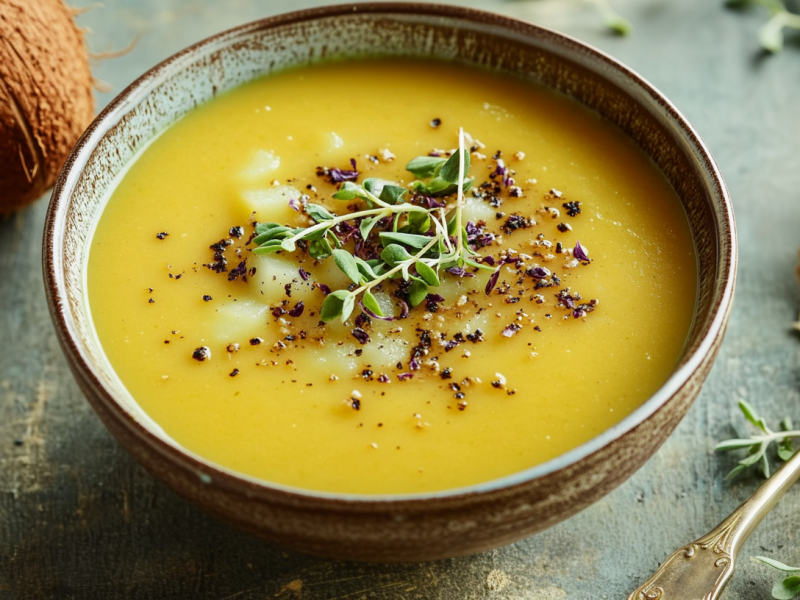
{"x":771,"y":34}
{"x":758,"y":445}
{"x":428,"y":242}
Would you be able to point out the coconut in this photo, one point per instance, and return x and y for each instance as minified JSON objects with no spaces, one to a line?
{"x":45,"y":96}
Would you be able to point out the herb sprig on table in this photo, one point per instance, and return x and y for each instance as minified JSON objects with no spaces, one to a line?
{"x":420,"y":243}
{"x":771,"y":34}
{"x":758,"y":446}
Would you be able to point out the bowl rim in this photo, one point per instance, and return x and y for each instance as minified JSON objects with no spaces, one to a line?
{"x":210,"y":472}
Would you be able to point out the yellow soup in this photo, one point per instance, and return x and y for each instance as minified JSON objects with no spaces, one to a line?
{"x":463,"y":390}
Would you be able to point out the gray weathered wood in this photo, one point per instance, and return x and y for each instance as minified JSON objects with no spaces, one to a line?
{"x":80,"y":519}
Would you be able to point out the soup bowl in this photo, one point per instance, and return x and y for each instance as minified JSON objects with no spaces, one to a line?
{"x":402,"y":527}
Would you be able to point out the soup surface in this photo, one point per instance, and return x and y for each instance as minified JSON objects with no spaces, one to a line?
{"x":463,"y":390}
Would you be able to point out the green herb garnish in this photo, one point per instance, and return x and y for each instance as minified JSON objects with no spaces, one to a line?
{"x":771,"y":34}
{"x":787,"y":588}
{"x":615,"y":22}
{"x":420,"y":243}
{"x":758,"y":445}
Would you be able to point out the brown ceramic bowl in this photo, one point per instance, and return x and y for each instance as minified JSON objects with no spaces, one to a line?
{"x":415,"y":526}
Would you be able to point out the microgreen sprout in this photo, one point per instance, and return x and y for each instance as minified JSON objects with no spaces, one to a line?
{"x":757,"y":445}
{"x":771,"y":34}
{"x":417,"y":242}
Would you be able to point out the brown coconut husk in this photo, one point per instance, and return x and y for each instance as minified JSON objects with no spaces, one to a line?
{"x":45,"y":96}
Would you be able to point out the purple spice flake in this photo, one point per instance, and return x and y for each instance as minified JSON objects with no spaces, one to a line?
{"x":580,"y":253}
{"x":434,"y":298}
{"x":434,"y":154}
{"x":340,"y":175}
{"x":404,"y":310}
{"x":404,"y":376}
{"x":460,"y":271}
{"x":297,"y":310}
{"x":323,"y":288}
{"x":353,"y":163}
{"x":487,"y":260}
{"x":511,"y":329}
{"x":430,"y":201}
{"x":538,"y":273}
{"x":492,"y":281}
{"x":414,"y":365}
{"x":449,"y":345}
{"x":294,"y":205}
{"x":303,"y":274}
{"x":277,"y":312}
{"x":579,"y":313}
{"x":383,"y":378}
{"x":361,"y":335}
{"x":502,"y":171}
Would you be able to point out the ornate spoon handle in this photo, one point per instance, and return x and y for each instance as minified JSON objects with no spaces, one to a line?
{"x":700,"y":570}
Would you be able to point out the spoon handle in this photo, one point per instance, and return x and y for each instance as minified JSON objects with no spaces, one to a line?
{"x":700,"y":570}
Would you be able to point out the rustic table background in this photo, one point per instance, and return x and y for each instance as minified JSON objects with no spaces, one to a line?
{"x":80,"y":519}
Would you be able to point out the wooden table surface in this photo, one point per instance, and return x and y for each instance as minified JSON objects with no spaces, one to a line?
{"x":80,"y":519}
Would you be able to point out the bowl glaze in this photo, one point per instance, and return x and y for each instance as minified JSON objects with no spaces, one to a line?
{"x":408,"y":527}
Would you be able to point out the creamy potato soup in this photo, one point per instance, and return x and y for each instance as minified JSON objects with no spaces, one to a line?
{"x":222,"y":267}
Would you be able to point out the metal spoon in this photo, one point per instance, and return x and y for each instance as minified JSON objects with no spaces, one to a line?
{"x":702,"y":569}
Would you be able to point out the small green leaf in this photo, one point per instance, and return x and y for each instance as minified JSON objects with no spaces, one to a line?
{"x":776,"y":564}
{"x":320,"y":249}
{"x":617,"y":24}
{"x":756,"y":452}
{"x":371,"y":303}
{"x":785,"y":446}
{"x":333,"y":304}
{"x":365,"y":269}
{"x":315,"y":235}
{"x":764,"y":464}
{"x":735,"y":472}
{"x":277,"y":232}
{"x":367,"y":224}
{"x":347,"y":264}
{"x":417,"y":293}
{"x":392,"y":194}
{"x":349,"y":191}
{"x":348,"y":306}
{"x":268,"y":248}
{"x":424,"y":166}
{"x":319,"y":213}
{"x":749,"y":413}
{"x":771,"y":35}
{"x":428,"y":275}
{"x":450,"y":170}
{"x":373,"y":185}
{"x":265,"y":227}
{"x":418,"y":222}
{"x":786,"y":589}
{"x":409,"y":239}
{"x":394,"y":254}
{"x":734,"y":445}
{"x":377,"y":265}
{"x":435,"y":187}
